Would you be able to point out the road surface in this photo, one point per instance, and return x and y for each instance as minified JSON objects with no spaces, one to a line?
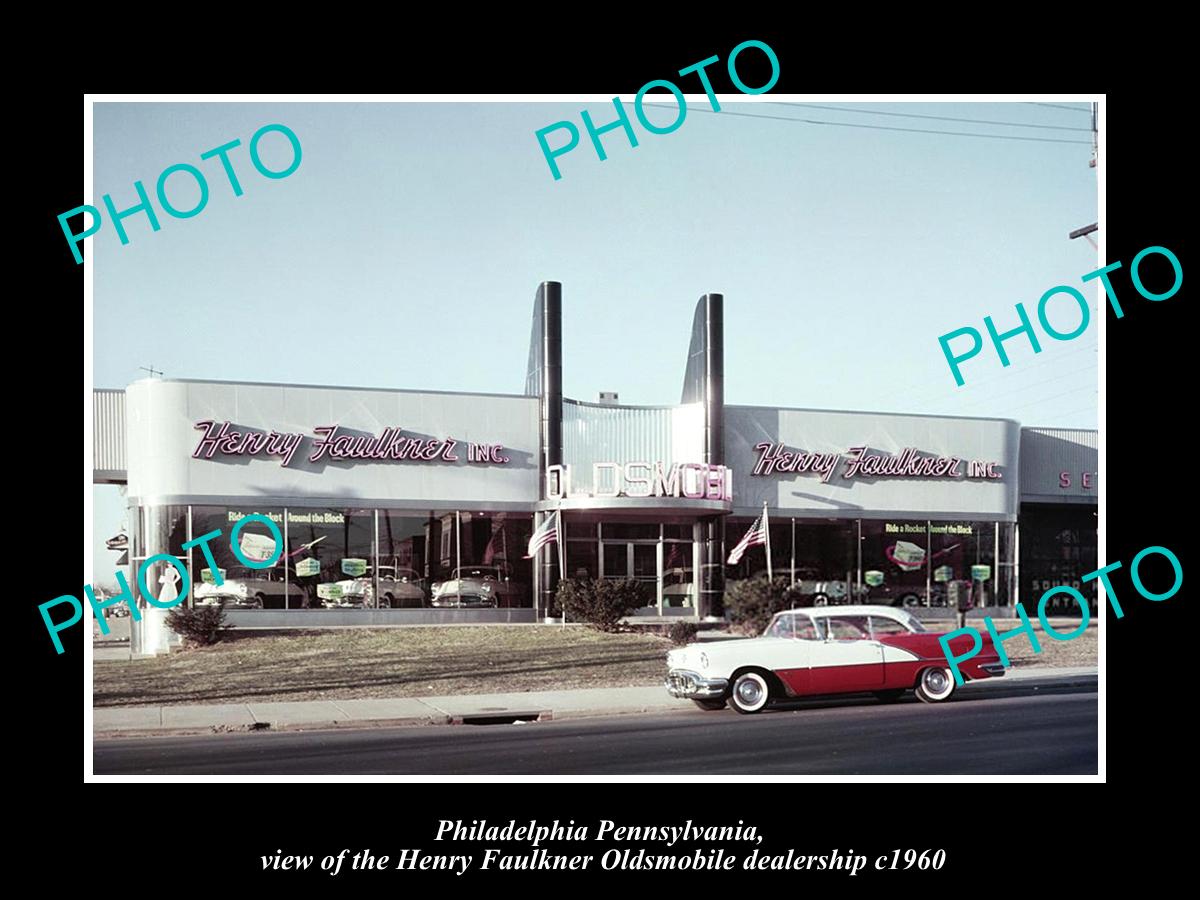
{"x":1019,"y":730}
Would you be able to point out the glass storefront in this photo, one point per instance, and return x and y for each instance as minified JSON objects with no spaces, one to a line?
{"x":658,"y":555}
{"x":902,"y":562}
{"x":362,"y":558}
{"x":349,"y":558}
{"x":1058,"y":547}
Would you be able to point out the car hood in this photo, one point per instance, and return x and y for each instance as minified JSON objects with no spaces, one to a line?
{"x":463,"y":584}
{"x":717,"y":651}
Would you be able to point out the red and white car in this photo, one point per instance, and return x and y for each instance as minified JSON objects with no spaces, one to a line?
{"x":831,"y":650}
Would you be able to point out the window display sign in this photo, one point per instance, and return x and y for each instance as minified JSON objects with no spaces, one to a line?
{"x":307,"y":567}
{"x":354,"y":567}
{"x":873,"y":578}
{"x":206,"y":575}
{"x":906,"y":555}
{"x":943,"y":574}
{"x":981,"y":573}
{"x":332,"y":591}
{"x":257,"y":547}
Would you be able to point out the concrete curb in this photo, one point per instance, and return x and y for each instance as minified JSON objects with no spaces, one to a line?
{"x":542,"y":706}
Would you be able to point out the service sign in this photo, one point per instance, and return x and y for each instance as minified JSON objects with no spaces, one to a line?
{"x":307,"y":567}
{"x":354,"y":567}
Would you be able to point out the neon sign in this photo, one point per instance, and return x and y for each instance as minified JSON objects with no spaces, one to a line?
{"x":909,"y":463}
{"x":221,"y":437}
{"x":691,"y":481}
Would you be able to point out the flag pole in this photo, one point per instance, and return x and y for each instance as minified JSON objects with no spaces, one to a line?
{"x":767,"y":532}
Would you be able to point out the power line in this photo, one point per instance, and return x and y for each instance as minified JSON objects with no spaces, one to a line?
{"x":1003,"y":137}
{"x":1047,"y":399}
{"x":1060,"y":106}
{"x":875,"y":112}
{"x":1020,"y":389}
{"x":925,"y":393}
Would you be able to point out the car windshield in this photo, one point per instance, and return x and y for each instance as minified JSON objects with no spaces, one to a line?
{"x":473,"y":572}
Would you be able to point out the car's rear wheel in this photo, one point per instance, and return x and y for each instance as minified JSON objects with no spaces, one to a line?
{"x":935,"y":685}
{"x":889,"y":696}
{"x":386,"y":602}
{"x":751,"y":693}
{"x":820,"y":600}
{"x":260,"y":601}
{"x":910,"y":600}
{"x":709,"y":703}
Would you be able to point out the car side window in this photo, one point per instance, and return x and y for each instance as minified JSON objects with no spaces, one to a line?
{"x":806,"y":630}
{"x":782,"y":627}
{"x":885,"y":625}
{"x":848,"y":628}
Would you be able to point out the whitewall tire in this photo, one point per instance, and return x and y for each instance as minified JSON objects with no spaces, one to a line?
{"x":935,"y":685}
{"x":750,"y":693}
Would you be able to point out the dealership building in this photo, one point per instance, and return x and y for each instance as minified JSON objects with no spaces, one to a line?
{"x":399,"y":506}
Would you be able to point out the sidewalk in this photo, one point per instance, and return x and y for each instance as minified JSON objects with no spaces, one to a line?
{"x":128,"y":721}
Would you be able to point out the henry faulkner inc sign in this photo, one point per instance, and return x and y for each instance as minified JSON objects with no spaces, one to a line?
{"x":222,"y":438}
{"x":909,"y":463}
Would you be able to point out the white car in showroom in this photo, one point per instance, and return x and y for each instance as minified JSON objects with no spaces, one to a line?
{"x":881,"y":650}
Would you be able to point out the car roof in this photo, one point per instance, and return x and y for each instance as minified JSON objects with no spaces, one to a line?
{"x":861,"y":610}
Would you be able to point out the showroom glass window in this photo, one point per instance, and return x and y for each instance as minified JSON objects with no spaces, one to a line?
{"x":244,"y":587}
{"x":334,"y":550}
{"x":894,"y":561}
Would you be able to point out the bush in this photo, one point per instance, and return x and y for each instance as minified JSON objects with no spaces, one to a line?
{"x":751,"y":602}
{"x":601,"y":602}
{"x":198,"y":626}
{"x":682,"y":633}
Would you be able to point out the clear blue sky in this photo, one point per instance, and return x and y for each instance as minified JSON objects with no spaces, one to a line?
{"x":406,"y":249}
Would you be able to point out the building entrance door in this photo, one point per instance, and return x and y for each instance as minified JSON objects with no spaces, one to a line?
{"x":634,"y":560}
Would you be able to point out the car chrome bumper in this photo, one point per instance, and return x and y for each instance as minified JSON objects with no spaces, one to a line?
{"x":996,"y":670}
{"x":464,"y":602}
{"x":691,"y":685}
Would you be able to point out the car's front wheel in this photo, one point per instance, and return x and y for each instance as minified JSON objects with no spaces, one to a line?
{"x":750,"y":694}
{"x":935,"y":685}
{"x":709,"y":704}
{"x":387,"y":602}
{"x":820,"y":600}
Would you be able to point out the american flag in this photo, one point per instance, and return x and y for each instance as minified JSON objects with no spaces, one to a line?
{"x":755,"y":537}
{"x":547,"y":533}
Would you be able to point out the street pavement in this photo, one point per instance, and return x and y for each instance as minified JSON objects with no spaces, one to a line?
{"x":446,"y":710}
{"x":1031,"y":725}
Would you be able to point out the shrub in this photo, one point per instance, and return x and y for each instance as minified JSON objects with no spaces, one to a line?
{"x":682,"y":633}
{"x":198,"y":626}
{"x":751,"y":602}
{"x":601,"y":602}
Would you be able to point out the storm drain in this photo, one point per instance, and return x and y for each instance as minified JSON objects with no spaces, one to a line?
{"x":497,"y":716}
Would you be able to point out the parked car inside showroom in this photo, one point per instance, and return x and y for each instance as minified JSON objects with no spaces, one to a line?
{"x":881,"y":650}
{"x":399,"y":587}
{"x":477,"y":587}
{"x":245,"y":588}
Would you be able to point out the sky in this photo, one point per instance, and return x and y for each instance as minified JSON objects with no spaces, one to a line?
{"x":406,"y":248}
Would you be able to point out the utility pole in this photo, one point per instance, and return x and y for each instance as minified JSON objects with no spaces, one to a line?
{"x":1087,"y":230}
{"x":1095,"y":135}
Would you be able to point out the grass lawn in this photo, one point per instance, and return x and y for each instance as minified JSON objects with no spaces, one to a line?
{"x":1080,"y":651}
{"x":351,"y":663}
